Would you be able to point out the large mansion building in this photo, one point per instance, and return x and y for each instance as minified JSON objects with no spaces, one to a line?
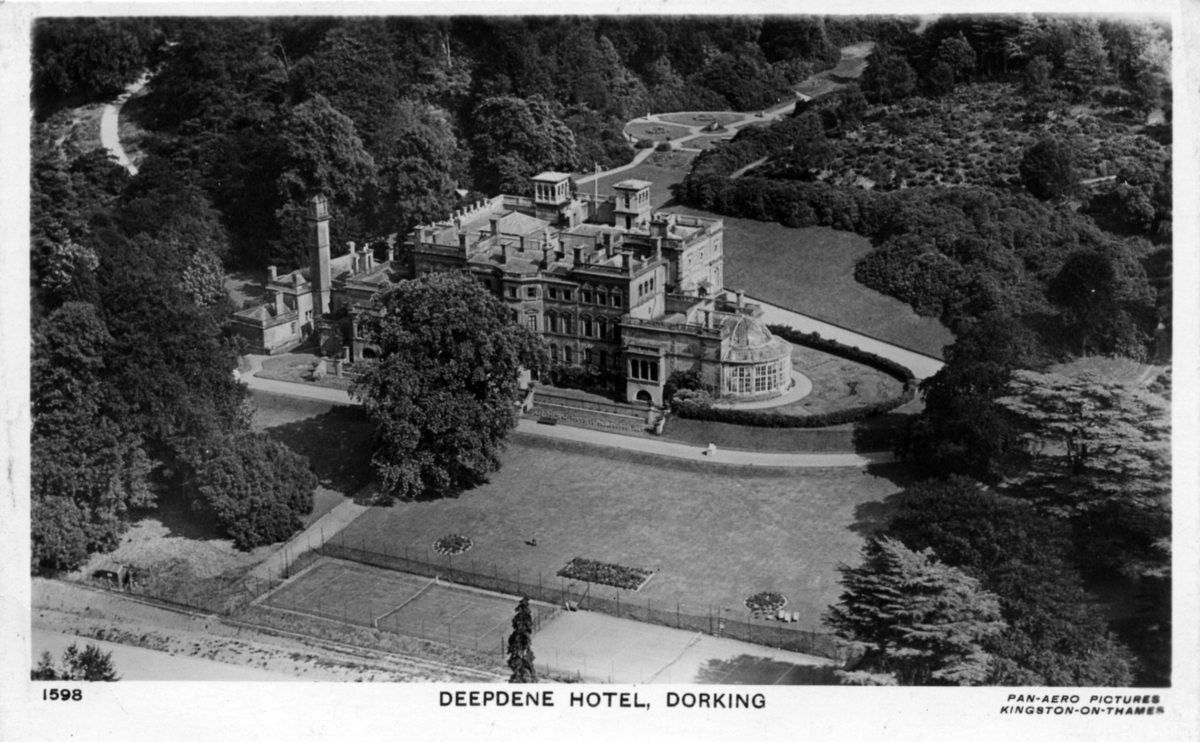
{"x":604,"y":281}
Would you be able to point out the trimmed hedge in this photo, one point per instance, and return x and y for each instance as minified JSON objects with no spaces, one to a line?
{"x":762,"y":419}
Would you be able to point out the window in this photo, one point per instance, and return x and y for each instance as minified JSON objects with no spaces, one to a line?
{"x":566,"y":295}
{"x":739,"y":380}
{"x":531,"y":322}
{"x":566,"y":324}
{"x":553,"y":352}
{"x":569,"y":354}
{"x":531,"y":293}
{"x":293,"y":328}
{"x":587,"y":326}
{"x":512,"y":292}
{"x":603,"y":359}
{"x":602,"y":329}
{"x":616,"y":298}
{"x":553,"y":293}
{"x":601,"y":299}
{"x":643,"y":370}
{"x":587,"y":356}
{"x":552,"y":322}
{"x":587,"y":296}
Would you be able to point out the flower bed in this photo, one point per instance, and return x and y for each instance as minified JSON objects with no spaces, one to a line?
{"x":452,"y":544}
{"x":764,"y":605}
{"x":602,"y":573}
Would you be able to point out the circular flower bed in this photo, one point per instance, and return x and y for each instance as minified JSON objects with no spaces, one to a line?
{"x":765,"y":603}
{"x":452,"y":544}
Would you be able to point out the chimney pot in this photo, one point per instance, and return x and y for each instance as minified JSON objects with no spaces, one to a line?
{"x":741,"y":300}
{"x":462,"y":241}
{"x":272,"y":273}
{"x":521,"y":240}
{"x":495,"y":222}
{"x":625,"y":262}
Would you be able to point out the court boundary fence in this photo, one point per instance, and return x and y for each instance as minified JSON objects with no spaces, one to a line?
{"x":571,"y":595}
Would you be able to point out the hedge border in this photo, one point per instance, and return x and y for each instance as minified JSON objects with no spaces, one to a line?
{"x":760,"y":419}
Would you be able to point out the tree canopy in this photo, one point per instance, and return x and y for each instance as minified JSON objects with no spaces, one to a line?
{"x":258,"y":489}
{"x":1047,"y":171}
{"x":442,"y":392}
{"x":1055,"y":635}
{"x":916,"y":620}
{"x":91,"y":664}
{"x":520,"y":645}
{"x":1098,"y":453}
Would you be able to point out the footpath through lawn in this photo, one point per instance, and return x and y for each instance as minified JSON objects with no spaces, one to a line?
{"x":713,"y":535}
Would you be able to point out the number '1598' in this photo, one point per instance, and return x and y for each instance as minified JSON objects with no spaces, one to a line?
{"x":62,"y":694}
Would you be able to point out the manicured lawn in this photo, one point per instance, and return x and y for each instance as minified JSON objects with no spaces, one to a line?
{"x":811,"y":271}
{"x":838,"y":384}
{"x":298,"y":368}
{"x":656,"y":131}
{"x":702,"y":119}
{"x":663,"y":169}
{"x":707,"y":142}
{"x":716,"y":535}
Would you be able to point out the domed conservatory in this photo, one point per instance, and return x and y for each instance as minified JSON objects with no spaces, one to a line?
{"x":725,"y":340}
{"x":756,"y":365}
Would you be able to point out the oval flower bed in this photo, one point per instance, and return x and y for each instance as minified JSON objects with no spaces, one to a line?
{"x":452,"y":544}
{"x":627,"y":578}
{"x":766,"y":603}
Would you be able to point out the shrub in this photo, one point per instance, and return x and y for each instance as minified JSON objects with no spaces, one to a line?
{"x":663,"y":147}
{"x":644,"y":143}
{"x":258,"y":489}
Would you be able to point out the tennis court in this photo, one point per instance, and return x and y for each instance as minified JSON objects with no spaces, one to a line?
{"x":401,"y":603}
{"x":601,"y":648}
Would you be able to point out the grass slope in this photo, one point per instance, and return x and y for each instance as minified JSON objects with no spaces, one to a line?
{"x":716,"y":536}
{"x":811,"y":271}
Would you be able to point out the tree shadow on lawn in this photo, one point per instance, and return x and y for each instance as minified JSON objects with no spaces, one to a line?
{"x":872,"y":517}
{"x":750,"y":670}
{"x":337,"y":445}
{"x":175,"y":512}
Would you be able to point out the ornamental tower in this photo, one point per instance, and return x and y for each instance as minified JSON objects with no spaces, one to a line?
{"x":318,"y":243}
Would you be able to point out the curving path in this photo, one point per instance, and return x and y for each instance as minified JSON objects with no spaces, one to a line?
{"x":659,"y":447}
{"x":110,"y":124}
{"x":921,"y":365}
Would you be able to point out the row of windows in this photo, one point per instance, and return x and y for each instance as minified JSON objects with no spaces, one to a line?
{"x":568,"y":355}
{"x":762,"y":377}
{"x":586,"y":326}
{"x":645,"y":287}
{"x":587,"y":296}
{"x":643,"y":370}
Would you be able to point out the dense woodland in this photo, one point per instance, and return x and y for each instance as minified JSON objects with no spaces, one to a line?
{"x":1030,"y":482}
